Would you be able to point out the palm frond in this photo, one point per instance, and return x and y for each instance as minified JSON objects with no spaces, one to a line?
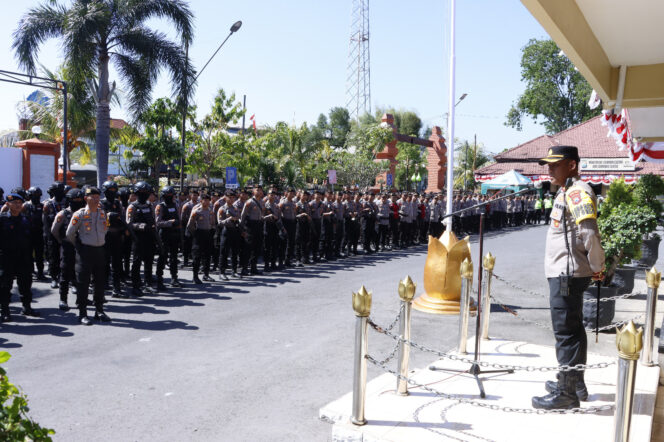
{"x":85,"y":23}
{"x":178,"y":11}
{"x":139,"y":80}
{"x":37,"y":25}
{"x":155,"y":50}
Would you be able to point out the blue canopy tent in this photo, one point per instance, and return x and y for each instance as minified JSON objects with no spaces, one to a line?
{"x":511,"y":180}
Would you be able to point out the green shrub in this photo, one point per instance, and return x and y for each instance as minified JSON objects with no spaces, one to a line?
{"x":622,"y":230}
{"x":15,"y":425}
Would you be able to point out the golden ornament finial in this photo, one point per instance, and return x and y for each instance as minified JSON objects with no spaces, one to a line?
{"x":629,"y":341}
{"x":362,"y":302}
{"x":489,"y":261}
{"x":653,"y":277}
{"x":467,"y":269}
{"x":407,"y":289}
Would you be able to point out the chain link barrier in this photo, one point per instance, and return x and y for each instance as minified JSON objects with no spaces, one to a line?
{"x":548,"y":327}
{"x":462,"y":400}
{"x":540,"y":295}
{"x":528,"y":368}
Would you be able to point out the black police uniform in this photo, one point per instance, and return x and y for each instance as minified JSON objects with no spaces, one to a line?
{"x":141,"y":221}
{"x":115,"y":235}
{"x":168,"y":224}
{"x":67,"y":253}
{"x":51,"y":208}
{"x":34,"y":210}
{"x":15,"y":260}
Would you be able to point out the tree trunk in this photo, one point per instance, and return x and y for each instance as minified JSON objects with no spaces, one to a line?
{"x":103,"y":130}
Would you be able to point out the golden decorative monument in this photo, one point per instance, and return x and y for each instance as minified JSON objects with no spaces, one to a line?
{"x":489,"y":261}
{"x":406,"y":289}
{"x":442,"y":277}
{"x":629,"y":341}
{"x":653,"y":277}
{"x":362,"y":302}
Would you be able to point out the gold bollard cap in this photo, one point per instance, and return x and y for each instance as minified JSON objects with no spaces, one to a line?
{"x":362,"y":302}
{"x":489,"y":261}
{"x":467,"y":269}
{"x":407,"y":289}
{"x":653,"y":277}
{"x":629,"y":341}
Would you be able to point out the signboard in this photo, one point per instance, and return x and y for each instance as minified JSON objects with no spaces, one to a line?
{"x":332,"y":176}
{"x":11,"y":168}
{"x":390,"y":180}
{"x":231,"y":178}
{"x":42,"y":169}
{"x":614,"y":164}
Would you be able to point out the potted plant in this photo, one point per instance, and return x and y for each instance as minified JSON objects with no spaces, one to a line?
{"x":621,"y":228}
{"x":645,"y":194}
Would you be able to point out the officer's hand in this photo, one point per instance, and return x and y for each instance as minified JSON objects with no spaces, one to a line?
{"x":598,"y":276}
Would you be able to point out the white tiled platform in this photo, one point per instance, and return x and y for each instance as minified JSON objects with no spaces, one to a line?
{"x":423,"y":416}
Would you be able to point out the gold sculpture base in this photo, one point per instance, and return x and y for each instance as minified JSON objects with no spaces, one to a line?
{"x":429,"y":304}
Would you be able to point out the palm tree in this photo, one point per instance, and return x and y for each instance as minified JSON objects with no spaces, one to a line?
{"x":95,"y":33}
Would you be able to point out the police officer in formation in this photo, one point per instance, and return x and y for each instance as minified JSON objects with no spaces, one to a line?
{"x":51,"y":208}
{"x":201,"y":229}
{"x":167,"y":220}
{"x":34,"y":210}
{"x":117,"y":229}
{"x":73,"y":203}
{"x":15,"y":257}
{"x":141,"y":221}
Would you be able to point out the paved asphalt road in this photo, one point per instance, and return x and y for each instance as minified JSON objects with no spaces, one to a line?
{"x":249,"y":360}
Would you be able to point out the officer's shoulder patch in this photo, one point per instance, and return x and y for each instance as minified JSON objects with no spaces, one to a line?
{"x":59,"y":218}
{"x":581,"y":204}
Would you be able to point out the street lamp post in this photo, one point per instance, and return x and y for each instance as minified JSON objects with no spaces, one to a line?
{"x":236,"y":26}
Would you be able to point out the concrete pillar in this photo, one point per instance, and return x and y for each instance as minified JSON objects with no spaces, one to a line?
{"x":389,"y":153}
{"x":436,"y":161}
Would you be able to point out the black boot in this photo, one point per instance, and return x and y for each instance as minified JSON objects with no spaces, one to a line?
{"x":160,"y":283}
{"x":581,"y":390}
{"x":564,"y":397}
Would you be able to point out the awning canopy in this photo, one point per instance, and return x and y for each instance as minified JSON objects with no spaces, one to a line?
{"x":617,"y":47}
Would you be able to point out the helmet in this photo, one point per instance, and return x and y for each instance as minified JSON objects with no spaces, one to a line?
{"x":2,"y":191}
{"x":168,"y":190}
{"x":67,"y":188}
{"x":55,"y":186}
{"x":34,"y":191}
{"x":142,"y":187}
{"x":109,"y":185}
{"x":74,"y":194}
{"x":123,"y":191}
{"x":20,"y":191}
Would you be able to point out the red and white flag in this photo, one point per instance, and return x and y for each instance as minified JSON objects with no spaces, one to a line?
{"x":253,"y":119}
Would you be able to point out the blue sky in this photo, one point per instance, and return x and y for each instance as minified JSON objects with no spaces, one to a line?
{"x":290,"y":59}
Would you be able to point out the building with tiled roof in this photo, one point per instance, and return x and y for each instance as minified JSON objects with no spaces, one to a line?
{"x":601,"y":160}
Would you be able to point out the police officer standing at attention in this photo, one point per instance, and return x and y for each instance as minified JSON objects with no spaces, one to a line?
{"x":200,"y":227}
{"x":140,"y":220}
{"x":168,"y":224}
{"x":251,"y":220}
{"x":51,"y":208}
{"x":287,"y":206}
{"x":573,"y":257}
{"x":228,"y":217}
{"x":87,"y":230}
{"x":15,"y":257}
{"x":303,"y":232}
{"x":34,"y":210}
{"x":184,"y":216}
{"x":114,"y":235}
{"x":75,"y":202}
